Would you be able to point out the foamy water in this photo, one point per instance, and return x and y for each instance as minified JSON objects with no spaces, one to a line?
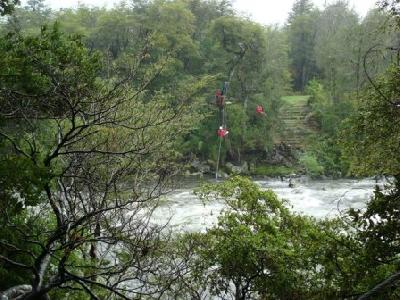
{"x":318,"y":198}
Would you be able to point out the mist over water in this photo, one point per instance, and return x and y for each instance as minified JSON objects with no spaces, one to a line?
{"x":318,"y":198}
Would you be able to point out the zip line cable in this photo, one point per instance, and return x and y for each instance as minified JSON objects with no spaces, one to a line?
{"x":223,"y":119}
{"x":222,"y":109}
{"x":219,"y":155}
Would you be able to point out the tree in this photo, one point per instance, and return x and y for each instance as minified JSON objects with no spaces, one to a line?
{"x":302,"y":32}
{"x":97,"y":154}
{"x":247,"y":55}
{"x":337,"y":30}
{"x":7,"y":6}
{"x":392,"y":6}
{"x":372,"y":133}
{"x":29,"y":18}
{"x":36,"y":5}
{"x":242,"y":249}
{"x":260,"y":249}
{"x":371,"y":145}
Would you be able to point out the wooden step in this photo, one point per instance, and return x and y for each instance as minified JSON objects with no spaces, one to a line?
{"x":295,"y":131}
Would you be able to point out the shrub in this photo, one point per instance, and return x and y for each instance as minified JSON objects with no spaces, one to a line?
{"x":311,"y":165}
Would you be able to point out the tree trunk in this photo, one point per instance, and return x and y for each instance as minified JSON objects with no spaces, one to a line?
{"x":381,"y":287}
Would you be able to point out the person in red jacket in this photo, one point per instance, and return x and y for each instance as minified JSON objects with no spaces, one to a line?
{"x":260,"y":110}
{"x":222,"y":132}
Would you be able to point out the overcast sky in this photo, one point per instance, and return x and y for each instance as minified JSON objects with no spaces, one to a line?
{"x":263,"y":11}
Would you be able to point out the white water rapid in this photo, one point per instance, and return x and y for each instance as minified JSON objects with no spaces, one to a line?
{"x":318,"y":198}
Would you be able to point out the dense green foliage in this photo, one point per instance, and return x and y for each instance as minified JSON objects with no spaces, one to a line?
{"x":204,"y":38}
{"x":258,"y":245}
{"x":71,"y":137}
{"x":260,"y":249}
{"x":302,"y":30}
{"x":372,"y":134}
{"x":333,"y":53}
{"x":261,"y":63}
{"x":7,"y":6}
{"x":100,"y":108}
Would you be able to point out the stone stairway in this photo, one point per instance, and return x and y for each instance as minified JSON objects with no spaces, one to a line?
{"x":295,"y":131}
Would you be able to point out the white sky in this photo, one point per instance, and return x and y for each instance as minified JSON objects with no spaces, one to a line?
{"x":263,"y":11}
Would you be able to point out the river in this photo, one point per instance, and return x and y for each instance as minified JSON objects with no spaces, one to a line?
{"x":318,"y":198}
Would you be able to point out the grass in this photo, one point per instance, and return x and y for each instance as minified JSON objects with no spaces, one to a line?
{"x":273,"y":171}
{"x":296,"y":99}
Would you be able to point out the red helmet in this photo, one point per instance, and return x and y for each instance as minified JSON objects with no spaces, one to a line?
{"x":259,"y":109}
{"x":222,"y":132}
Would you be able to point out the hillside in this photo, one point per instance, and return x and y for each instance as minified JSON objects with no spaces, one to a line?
{"x":295,"y":131}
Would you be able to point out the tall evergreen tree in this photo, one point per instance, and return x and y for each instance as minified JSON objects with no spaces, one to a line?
{"x":337,"y":48}
{"x":301,"y":32}
{"x":36,"y":5}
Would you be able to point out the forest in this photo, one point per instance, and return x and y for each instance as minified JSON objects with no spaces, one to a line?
{"x":103,"y":111}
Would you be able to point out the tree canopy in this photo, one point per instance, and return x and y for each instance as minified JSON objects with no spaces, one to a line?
{"x":102,"y":108}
